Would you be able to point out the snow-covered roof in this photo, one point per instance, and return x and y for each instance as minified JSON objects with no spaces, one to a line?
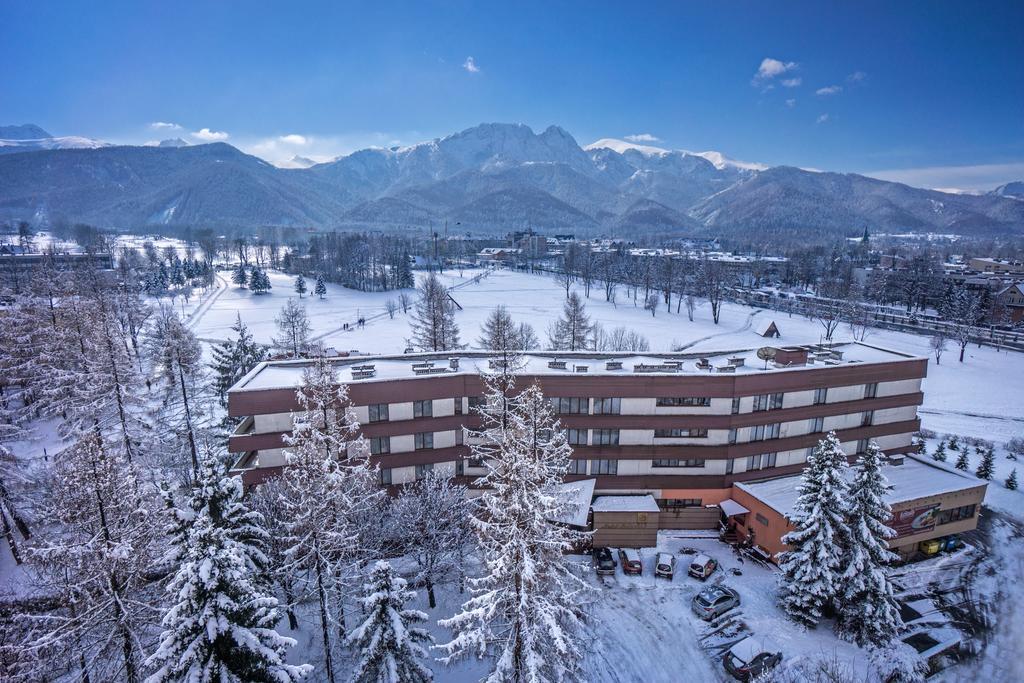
{"x":287,"y":374}
{"x":644,"y":503}
{"x":916,"y":478}
{"x":731,"y":508}
{"x":579,"y":494}
{"x":764,"y":326}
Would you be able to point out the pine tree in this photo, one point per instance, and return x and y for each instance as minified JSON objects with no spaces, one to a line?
{"x":404,"y":278}
{"x":433,"y":319}
{"x":811,"y":570}
{"x":869,"y":614}
{"x":525,"y":610}
{"x":940,"y":452}
{"x":232,"y":359}
{"x":240,"y":277}
{"x":986,"y":468}
{"x":390,"y":647}
{"x":1011,"y":481}
{"x":954,"y":443}
{"x":572,"y":331}
{"x":962,"y":461}
{"x":259,"y":281}
{"x":321,"y":287}
{"x":220,"y":625}
{"x":300,"y":286}
{"x":293,"y":328}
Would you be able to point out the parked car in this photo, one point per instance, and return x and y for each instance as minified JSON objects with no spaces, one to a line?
{"x":630,"y":560}
{"x":604,"y":561}
{"x":702,"y":566}
{"x":751,"y":657}
{"x":665,"y":566}
{"x":714,"y":600}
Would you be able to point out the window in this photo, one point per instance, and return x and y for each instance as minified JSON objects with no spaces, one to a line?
{"x":578,"y":405}
{"x":862,"y":446}
{"x":460,"y":468}
{"x":867,"y":418}
{"x":955,"y":514}
{"x":762,"y":461}
{"x":424,"y":440}
{"x":761,"y":518}
{"x":817,"y":425}
{"x":460,"y":435}
{"x":604,"y":466}
{"x":680,"y":401}
{"x":762,"y":432}
{"x":681,"y":433}
{"x":675,"y":462}
{"x":477,"y":402}
{"x":577,"y":466}
{"x":607,"y":406}
{"x":871,"y":390}
{"x":378,"y":412}
{"x":760,"y":402}
{"x":606,"y":437}
{"x":777,"y":400}
{"x":680,"y":502}
{"x":458,"y":405}
{"x":736,"y":406}
{"x":380,"y":445}
{"x":385,"y":476}
{"x":820,"y":395}
{"x":732,"y":435}
{"x":423,"y":408}
{"x":728,"y":466}
{"x":423,"y":470}
{"x":576,"y":437}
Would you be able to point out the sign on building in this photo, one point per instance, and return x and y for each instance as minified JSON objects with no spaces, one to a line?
{"x":914,"y":520}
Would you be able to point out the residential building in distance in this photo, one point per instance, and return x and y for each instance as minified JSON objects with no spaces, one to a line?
{"x":997,"y":266}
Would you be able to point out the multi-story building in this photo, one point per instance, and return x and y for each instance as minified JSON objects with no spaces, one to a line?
{"x":682,"y":427}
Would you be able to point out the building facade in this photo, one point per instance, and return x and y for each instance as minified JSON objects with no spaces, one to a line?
{"x":681,"y":427}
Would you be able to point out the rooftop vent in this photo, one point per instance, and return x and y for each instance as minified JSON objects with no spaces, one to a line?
{"x":659,"y":367}
{"x":581,"y":368}
{"x":363,"y":371}
{"x":725,"y":368}
{"x":556,"y":364}
{"x":737,"y":361}
{"x":613,"y":365}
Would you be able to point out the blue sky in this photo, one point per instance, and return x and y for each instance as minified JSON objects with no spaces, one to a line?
{"x":930,"y":93}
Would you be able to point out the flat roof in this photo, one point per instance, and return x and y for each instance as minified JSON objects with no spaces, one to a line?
{"x":287,"y":374}
{"x":916,"y":478}
{"x":643,"y":503}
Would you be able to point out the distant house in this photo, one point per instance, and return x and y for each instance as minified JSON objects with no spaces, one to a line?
{"x":768,"y":328}
{"x":1011,"y":300}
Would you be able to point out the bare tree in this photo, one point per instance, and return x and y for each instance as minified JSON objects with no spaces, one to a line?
{"x":405,"y":301}
{"x":391,"y":306}
{"x":938,"y":344}
{"x":293,"y":327}
{"x":572,"y":331}
{"x":713,"y":284}
{"x":961,"y":309}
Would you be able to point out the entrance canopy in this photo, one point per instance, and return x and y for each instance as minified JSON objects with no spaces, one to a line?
{"x":731,"y":508}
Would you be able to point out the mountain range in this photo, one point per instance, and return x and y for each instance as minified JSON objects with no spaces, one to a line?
{"x":489,"y":178}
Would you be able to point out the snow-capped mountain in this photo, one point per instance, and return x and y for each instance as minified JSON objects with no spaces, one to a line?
{"x":1014,"y":189}
{"x":30,"y":137}
{"x":493,"y":177}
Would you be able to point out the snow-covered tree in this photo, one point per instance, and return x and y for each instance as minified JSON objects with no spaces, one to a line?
{"x":432,"y":322}
{"x":259,"y":281}
{"x":233,"y":358}
{"x":986,"y":468}
{"x":1011,"y":481}
{"x":328,"y":487}
{"x":293,"y":329}
{"x":268,"y":500}
{"x":572,"y":331}
{"x":962,"y":460}
{"x":500,"y":333}
{"x":869,"y":613}
{"x":434,"y":514}
{"x":300,"y":286}
{"x":240,"y":276}
{"x":103,"y":540}
{"x":811,"y":569}
{"x":940,"y":452}
{"x":954,"y":443}
{"x":961,"y":309}
{"x":13,"y":509}
{"x":388,"y":644}
{"x":220,"y":624}
{"x":320,"y":289}
{"x":525,"y":609}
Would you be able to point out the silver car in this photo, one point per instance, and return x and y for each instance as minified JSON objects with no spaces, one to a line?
{"x":714,"y":600}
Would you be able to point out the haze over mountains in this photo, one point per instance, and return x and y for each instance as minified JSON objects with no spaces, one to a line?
{"x":492,"y":177}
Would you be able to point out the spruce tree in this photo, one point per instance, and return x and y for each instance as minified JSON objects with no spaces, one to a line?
{"x":940,"y":452}
{"x":233,"y":358}
{"x":869,"y":614}
{"x":321,"y":287}
{"x":388,"y":644}
{"x":259,"y":281}
{"x":300,"y":286}
{"x":240,"y":277}
{"x":962,"y":462}
{"x":1011,"y":481}
{"x":220,"y":625}
{"x":986,"y":468}
{"x":954,"y":443}
{"x":811,"y":569}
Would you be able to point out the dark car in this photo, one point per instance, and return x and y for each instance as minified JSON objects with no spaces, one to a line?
{"x":604,"y":561}
{"x":714,"y":600}
{"x":751,"y":657}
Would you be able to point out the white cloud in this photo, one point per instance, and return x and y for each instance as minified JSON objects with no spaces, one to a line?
{"x":976,"y":178}
{"x":769,"y":69}
{"x":293,"y":139}
{"x":207,"y":135}
{"x":643,"y":137}
{"x":829,"y":90}
{"x":822,"y":119}
{"x":792,"y":82}
{"x":163,"y":125}
{"x":791,"y":103}
{"x":470,"y":65}
{"x":856,"y":77}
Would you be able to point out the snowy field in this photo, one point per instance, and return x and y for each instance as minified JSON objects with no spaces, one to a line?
{"x":982,"y":397}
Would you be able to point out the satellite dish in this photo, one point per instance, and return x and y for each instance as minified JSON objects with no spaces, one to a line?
{"x":766,"y":353}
